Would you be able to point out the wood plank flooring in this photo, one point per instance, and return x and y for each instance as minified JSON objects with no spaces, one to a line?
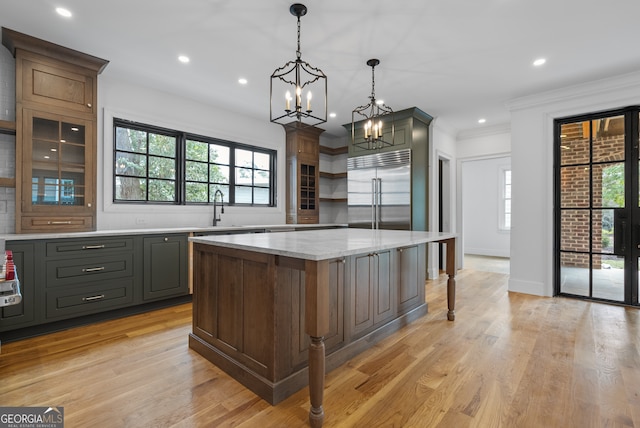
{"x":509,"y":360}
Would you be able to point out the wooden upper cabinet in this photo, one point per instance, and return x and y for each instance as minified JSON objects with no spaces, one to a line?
{"x":52,"y":83}
{"x":56,"y":135}
{"x":303,"y":174}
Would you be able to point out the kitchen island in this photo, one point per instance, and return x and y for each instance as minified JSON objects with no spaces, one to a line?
{"x":267,"y":306}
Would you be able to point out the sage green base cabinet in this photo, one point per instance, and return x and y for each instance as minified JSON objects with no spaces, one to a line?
{"x":165,"y":266}
{"x":62,"y":279}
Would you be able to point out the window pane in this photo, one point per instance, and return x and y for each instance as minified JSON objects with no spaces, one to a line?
{"x":244,"y":195}
{"x":574,"y":186}
{"x":261,"y":196}
{"x":219,"y":154}
{"x":131,"y":140}
{"x":72,"y":153}
{"x":608,"y":185}
{"x":608,"y":277}
{"x":608,"y":139}
{"x":131,"y":189}
{"x":244,"y":158}
{"x":574,"y":273}
{"x":161,"y":167}
{"x":218,"y":174}
{"x":162,"y":190}
{"x":261,"y":161}
{"x":574,"y":225}
{"x":130,"y":164}
{"x":261,"y":178}
{"x":196,"y":150}
{"x":223,"y":189}
{"x":196,"y":192}
{"x":602,"y":224}
{"x":72,"y":133}
{"x":196,"y":171}
{"x":243,"y":176}
{"x":162,"y":145}
{"x":574,"y":143}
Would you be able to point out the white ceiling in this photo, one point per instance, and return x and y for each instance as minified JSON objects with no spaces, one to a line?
{"x":458,"y":60}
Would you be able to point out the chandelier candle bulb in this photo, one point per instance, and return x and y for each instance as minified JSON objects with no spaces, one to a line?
{"x":287,"y":98}
{"x":309,"y":101}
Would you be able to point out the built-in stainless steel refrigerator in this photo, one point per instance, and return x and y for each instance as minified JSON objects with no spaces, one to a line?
{"x":379,"y":190}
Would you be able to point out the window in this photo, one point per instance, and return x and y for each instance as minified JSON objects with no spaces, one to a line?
{"x":505,"y":200}
{"x":166,"y":166}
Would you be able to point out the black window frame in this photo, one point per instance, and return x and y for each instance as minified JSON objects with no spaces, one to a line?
{"x":180,"y":167}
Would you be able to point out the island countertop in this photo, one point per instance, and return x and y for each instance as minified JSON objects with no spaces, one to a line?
{"x":323,"y":244}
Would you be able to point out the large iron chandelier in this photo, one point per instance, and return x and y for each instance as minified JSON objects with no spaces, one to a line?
{"x":373,"y":120}
{"x":290,"y":92}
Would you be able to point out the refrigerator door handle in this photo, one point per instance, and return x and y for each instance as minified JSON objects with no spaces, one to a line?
{"x":374,"y":197}
{"x":379,"y":204}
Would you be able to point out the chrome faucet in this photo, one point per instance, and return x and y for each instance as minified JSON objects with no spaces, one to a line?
{"x":216,"y":219}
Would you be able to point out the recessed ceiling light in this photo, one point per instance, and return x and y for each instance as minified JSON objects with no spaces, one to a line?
{"x":243,"y":81}
{"x":539,"y":62}
{"x":482,"y":120}
{"x":332,"y":115}
{"x":63,"y":12}
{"x":183,"y":59}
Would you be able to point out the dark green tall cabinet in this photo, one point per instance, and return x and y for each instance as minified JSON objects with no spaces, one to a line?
{"x":411,"y":132}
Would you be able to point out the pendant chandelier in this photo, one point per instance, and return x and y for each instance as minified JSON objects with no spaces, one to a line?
{"x":373,"y":120}
{"x":293,"y":103}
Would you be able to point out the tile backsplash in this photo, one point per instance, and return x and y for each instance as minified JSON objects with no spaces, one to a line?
{"x":7,"y":142}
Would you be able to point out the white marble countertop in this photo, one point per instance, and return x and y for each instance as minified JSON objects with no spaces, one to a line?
{"x":323,"y":244}
{"x":153,"y":231}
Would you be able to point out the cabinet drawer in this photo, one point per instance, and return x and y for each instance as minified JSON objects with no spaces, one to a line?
{"x":89,"y":269}
{"x":88,"y":248}
{"x":57,"y":224}
{"x":85,"y":300}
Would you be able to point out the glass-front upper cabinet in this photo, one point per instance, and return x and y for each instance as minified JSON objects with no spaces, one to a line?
{"x":61,"y":166}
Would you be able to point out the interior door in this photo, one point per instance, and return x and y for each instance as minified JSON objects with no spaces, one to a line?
{"x":597,"y":206}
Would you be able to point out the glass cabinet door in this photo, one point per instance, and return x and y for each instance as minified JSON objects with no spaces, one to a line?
{"x":59,"y":162}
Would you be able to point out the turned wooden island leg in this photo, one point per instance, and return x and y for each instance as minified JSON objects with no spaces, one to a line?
{"x":316,"y":326}
{"x":451,"y":282}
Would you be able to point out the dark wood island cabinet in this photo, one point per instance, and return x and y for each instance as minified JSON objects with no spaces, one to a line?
{"x":277,"y":310}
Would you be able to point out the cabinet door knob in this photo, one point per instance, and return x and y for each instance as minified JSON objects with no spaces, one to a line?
{"x":166,"y":239}
{"x":89,"y":105}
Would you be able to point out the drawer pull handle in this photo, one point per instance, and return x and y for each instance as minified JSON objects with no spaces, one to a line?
{"x":95,"y":269}
{"x":59,"y":222}
{"x":92,"y":247}
{"x":93,"y":298}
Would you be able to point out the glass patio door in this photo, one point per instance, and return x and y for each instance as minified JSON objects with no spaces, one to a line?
{"x":597,"y":206}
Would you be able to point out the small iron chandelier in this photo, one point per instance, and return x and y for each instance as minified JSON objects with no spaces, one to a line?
{"x":291,"y":87}
{"x":376,"y":120}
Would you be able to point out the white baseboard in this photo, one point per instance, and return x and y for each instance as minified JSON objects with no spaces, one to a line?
{"x":528,"y":287}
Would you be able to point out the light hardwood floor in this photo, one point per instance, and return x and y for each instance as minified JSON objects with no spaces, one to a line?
{"x":509,"y":360}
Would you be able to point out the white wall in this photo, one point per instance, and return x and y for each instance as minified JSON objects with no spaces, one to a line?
{"x":443,"y":147}
{"x":481,"y":201}
{"x":532,"y":171}
{"x":127,"y":101}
